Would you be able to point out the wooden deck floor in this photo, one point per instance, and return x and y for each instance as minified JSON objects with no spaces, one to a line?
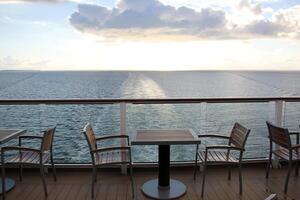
{"x":75,"y":185}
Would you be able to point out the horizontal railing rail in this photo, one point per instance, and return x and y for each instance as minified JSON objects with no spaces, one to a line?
{"x":149,"y":101}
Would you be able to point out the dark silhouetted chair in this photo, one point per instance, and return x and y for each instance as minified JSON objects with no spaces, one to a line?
{"x":116,"y":155}
{"x":236,"y":142}
{"x":30,"y":156}
{"x":286,"y":151}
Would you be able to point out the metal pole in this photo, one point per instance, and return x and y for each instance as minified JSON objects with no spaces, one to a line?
{"x":278,"y":120}
{"x":203,"y":112}
{"x":123,"y":131}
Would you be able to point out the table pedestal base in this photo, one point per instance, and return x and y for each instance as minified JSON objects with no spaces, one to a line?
{"x":152,"y":190}
{"x":9,"y":184}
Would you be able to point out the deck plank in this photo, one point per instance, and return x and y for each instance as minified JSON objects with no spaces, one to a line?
{"x":75,"y":184}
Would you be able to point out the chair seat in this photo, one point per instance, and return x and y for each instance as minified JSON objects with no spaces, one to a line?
{"x":112,"y":157}
{"x":216,"y":156}
{"x":284,"y":154}
{"x":28,"y":157}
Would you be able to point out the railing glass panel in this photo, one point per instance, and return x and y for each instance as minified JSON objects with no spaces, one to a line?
{"x":70,"y":145}
{"x":164,"y":116}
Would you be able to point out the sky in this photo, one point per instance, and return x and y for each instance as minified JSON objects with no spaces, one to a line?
{"x":150,"y":35}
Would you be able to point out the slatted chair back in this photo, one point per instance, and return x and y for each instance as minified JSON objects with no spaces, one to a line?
{"x":239,"y":135}
{"x":47,"y":141}
{"x":279,"y":135}
{"x":90,"y":136}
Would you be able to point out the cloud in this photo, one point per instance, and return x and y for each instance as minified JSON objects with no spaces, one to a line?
{"x":255,"y":8}
{"x":284,"y":23}
{"x":154,"y":20}
{"x":151,"y":19}
{"x":29,"y":1}
{"x":43,"y":1}
{"x":139,"y":18}
{"x":10,"y":62}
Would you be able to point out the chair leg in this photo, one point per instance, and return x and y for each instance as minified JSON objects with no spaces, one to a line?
{"x":21,"y":172}
{"x":43,"y":179}
{"x":96,"y":176}
{"x":195,"y":167}
{"x":287,"y":177}
{"x":229,"y":172}
{"x":240,"y":178}
{"x":94,"y":173}
{"x":269,"y":165}
{"x":132,"y":181}
{"x":203,"y":179}
{"x":53,"y":169}
{"x":3,"y":180}
{"x":296,"y":168}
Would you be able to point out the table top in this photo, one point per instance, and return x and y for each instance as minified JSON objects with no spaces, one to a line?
{"x":8,"y":134}
{"x":165,"y":137}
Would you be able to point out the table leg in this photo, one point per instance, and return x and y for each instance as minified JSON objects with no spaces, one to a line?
{"x":164,"y":187}
{"x":9,"y":184}
{"x":164,"y":166}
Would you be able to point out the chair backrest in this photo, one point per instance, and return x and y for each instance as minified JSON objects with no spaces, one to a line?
{"x":279,"y":135}
{"x":239,"y":135}
{"x":90,"y":136}
{"x":48,"y":139}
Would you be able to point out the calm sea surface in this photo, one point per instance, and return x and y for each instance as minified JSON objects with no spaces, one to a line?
{"x":70,"y":145}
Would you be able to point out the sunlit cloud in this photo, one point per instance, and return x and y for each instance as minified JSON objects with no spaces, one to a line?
{"x":151,"y":19}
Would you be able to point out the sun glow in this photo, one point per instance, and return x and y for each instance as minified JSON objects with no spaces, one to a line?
{"x":164,"y":56}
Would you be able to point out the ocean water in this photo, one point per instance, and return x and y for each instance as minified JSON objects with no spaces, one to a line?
{"x":70,"y":145}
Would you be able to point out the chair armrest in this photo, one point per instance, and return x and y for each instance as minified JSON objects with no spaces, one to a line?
{"x":112,"y":137}
{"x":30,"y":137}
{"x":224,"y":147}
{"x":214,"y":136}
{"x":16,"y":148}
{"x":110,"y":149}
{"x":296,"y":146}
{"x":109,"y":137}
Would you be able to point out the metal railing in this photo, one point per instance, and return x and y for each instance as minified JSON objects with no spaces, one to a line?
{"x":279,"y":104}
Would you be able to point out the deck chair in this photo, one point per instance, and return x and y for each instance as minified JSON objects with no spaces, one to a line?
{"x":236,"y":142}
{"x":30,"y":156}
{"x":286,"y":151}
{"x":116,"y":155}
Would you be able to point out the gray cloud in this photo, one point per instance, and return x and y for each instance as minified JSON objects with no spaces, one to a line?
{"x":264,"y":28}
{"x":150,"y":19}
{"x":284,"y":23}
{"x":141,"y":17}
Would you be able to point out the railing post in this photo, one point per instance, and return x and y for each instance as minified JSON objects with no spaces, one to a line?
{"x":203,"y":123}
{"x":123,"y":130}
{"x":278,"y":120}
